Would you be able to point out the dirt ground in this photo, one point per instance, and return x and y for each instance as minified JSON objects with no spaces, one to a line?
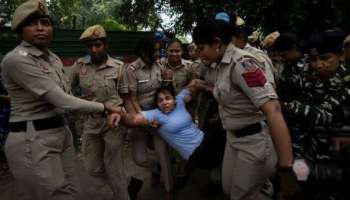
{"x":93,"y":190}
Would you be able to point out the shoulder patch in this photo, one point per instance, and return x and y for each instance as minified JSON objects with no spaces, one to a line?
{"x":254,"y":78}
{"x":248,"y":63}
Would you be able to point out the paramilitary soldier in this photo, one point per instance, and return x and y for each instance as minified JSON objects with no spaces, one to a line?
{"x":324,"y":103}
{"x":100,"y":79}
{"x":39,"y":147}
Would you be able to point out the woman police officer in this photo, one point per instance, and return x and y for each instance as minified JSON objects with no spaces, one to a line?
{"x":39,"y":148}
{"x":249,"y":111}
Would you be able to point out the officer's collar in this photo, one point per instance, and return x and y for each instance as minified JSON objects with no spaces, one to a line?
{"x":109,"y":62}
{"x":183,"y":63}
{"x":227,"y":58}
{"x":33,"y":50}
{"x":141,"y":64}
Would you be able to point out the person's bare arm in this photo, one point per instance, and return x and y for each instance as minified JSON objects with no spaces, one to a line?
{"x":279,"y":132}
{"x":135,"y":102}
{"x":200,"y":85}
{"x":128,"y":103}
{"x":127,"y":119}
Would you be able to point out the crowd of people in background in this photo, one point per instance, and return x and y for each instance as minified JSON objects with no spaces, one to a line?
{"x":268,"y":117}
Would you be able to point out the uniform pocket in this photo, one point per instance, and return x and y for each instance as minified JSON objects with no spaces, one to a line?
{"x":252,"y":149}
{"x":50,"y":140}
{"x":111,"y":82}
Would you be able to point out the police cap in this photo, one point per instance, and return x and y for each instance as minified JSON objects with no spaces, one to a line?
{"x":27,"y":9}
{"x":328,"y":41}
{"x":270,"y":39}
{"x":93,"y":32}
{"x":239,"y":21}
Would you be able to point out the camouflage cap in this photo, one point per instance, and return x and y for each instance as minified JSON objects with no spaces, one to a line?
{"x":328,"y":41}
{"x":347,"y":39}
{"x":93,"y":32}
{"x":26,"y":10}
{"x":270,"y":39}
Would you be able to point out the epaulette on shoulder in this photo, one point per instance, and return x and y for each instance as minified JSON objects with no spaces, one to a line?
{"x":245,"y":58}
{"x":22,"y":52}
{"x":84,"y":59}
{"x":118,"y":62}
{"x":133,"y":66}
{"x":187,"y":62}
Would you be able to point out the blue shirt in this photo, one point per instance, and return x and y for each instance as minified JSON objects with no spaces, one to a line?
{"x":177,"y":127}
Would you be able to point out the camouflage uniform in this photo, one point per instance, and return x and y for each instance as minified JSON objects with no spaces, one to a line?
{"x":289,"y":87}
{"x":321,"y":103}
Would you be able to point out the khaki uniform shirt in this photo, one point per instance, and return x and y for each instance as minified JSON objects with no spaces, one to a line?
{"x":199,"y":68}
{"x":265,"y":61}
{"x":144,"y":80}
{"x":183,"y":74}
{"x":29,"y":74}
{"x":241,"y":88}
{"x":100,"y":84}
{"x":210,"y":74}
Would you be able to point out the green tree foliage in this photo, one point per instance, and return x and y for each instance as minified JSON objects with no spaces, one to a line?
{"x":72,"y":14}
{"x":7,"y":7}
{"x":79,"y":14}
{"x":300,"y":16}
{"x":140,"y":14}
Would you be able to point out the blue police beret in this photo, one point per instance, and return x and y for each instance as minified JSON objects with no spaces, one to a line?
{"x":222,"y":16}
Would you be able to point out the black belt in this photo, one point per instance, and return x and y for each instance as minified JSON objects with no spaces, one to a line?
{"x":39,"y":124}
{"x":248,"y":130}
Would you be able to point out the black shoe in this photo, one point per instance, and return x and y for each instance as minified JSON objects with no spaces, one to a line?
{"x":134,"y":188}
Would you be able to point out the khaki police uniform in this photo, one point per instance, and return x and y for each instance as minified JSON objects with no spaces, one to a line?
{"x":240,"y":89}
{"x":182,"y":74}
{"x":39,"y":148}
{"x":265,"y":61}
{"x":205,"y":99}
{"x":144,"y":81}
{"x":40,"y":160}
{"x":199,"y":68}
{"x":102,"y":146}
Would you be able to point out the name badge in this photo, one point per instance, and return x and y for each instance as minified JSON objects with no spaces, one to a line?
{"x":143,"y":81}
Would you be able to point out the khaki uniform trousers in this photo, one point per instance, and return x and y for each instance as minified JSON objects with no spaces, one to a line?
{"x":43,"y":163}
{"x":248,"y":163}
{"x":139,"y":140}
{"x":103,"y":155}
